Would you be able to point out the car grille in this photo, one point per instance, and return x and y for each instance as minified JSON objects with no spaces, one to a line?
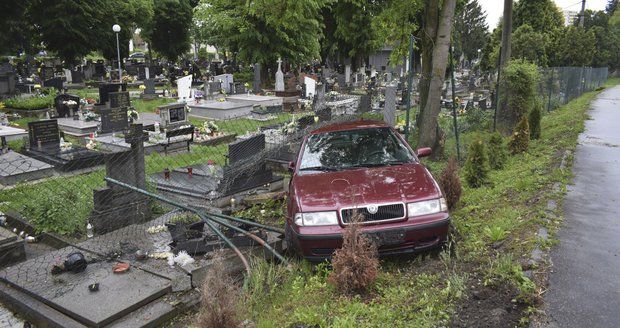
{"x":384,"y":213}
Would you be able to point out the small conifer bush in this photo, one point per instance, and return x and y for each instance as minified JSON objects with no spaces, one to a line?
{"x":477,"y":164}
{"x":520,"y":139}
{"x":497,"y":151}
{"x":451,"y":183}
{"x":534,"y":121}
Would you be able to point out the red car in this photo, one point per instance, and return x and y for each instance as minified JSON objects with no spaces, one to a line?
{"x":362,"y":166}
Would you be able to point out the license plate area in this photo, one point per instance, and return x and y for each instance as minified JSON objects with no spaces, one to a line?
{"x":388,"y":238}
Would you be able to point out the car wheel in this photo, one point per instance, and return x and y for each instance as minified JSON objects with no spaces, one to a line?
{"x":291,"y":248}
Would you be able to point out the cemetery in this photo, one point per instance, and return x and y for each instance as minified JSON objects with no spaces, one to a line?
{"x":152,"y":153}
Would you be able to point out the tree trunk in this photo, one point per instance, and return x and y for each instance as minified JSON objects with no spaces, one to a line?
{"x":506,"y":32}
{"x":429,"y":32}
{"x":429,"y":133}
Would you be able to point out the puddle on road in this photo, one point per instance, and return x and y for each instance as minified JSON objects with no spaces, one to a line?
{"x":598,"y":142}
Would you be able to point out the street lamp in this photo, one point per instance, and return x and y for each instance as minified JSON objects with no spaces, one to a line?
{"x":116,"y":28}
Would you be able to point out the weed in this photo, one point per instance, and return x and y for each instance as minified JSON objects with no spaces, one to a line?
{"x":219,"y":299}
{"x":495,"y":233}
{"x":451,"y":183}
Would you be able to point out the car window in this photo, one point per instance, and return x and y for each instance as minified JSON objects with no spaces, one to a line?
{"x":354,"y":148}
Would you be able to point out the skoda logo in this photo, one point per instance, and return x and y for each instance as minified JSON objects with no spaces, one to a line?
{"x":372,"y":209}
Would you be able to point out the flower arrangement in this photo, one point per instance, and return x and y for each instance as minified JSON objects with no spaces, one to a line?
{"x":401,"y":126}
{"x":142,"y":87}
{"x":246,"y":85}
{"x":90,"y":116}
{"x":209,"y":127}
{"x":290,"y":127}
{"x":221,"y":99}
{"x":1,"y":105}
{"x":91,"y":101}
{"x":92,"y":144}
{"x":70,"y":103}
{"x":132,"y":114}
{"x":64,"y":146}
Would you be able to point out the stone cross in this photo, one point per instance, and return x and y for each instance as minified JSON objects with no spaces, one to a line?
{"x":279,"y":77}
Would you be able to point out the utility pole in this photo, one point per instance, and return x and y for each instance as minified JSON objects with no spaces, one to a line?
{"x":582,"y":14}
{"x":506,"y":32}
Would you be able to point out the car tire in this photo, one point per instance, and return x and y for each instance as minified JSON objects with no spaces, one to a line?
{"x":291,"y":247}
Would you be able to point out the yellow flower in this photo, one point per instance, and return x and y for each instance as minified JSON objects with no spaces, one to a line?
{"x":1,"y":105}
{"x":142,"y":87}
{"x":37,"y":86}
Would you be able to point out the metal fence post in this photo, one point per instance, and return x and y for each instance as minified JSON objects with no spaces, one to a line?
{"x":456,"y":130}
{"x":409,"y":87}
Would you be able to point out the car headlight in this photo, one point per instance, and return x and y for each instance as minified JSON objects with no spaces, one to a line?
{"x":427,"y":207}
{"x":316,"y":218}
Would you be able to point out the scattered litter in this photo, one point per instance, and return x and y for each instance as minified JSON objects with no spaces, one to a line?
{"x":93,"y":287}
{"x":156,"y":229}
{"x":141,"y":255}
{"x":120,"y":267}
{"x":160,"y":255}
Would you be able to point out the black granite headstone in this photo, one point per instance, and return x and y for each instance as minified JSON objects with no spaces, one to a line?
{"x":119,"y":99}
{"x":63,"y":109}
{"x":365,"y":104}
{"x":149,"y":85}
{"x":77,"y":77}
{"x":106,"y":88}
{"x":43,"y":133}
{"x":242,"y":150}
{"x":257,"y":82}
{"x":55,"y":83}
{"x":114,"y":120}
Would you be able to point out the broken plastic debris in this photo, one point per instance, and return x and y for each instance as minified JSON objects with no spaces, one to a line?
{"x":120,"y":267}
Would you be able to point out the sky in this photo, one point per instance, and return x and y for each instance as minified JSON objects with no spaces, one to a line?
{"x":495,"y":8}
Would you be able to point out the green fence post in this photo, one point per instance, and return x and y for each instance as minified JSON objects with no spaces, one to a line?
{"x":456,"y":130}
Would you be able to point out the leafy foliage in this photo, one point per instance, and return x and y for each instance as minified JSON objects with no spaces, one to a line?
{"x":572,"y":46}
{"x":393,"y":25}
{"x":31,"y":103}
{"x":450,"y":183}
{"x":497,"y":151}
{"x":477,"y":164}
{"x":518,"y":91}
{"x":520,"y":139}
{"x":541,"y":15}
{"x":169,"y":29}
{"x":530,"y":45}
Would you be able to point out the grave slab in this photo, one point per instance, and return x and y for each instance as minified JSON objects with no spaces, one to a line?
{"x":221,"y":110}
{"x":77,"y":128}
{"x":256,"y":99}
{"x":15,"y":167}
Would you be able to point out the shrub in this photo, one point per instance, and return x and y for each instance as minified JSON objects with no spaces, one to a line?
{"x":219,"y":303}
{"x":518,"y":92}
{"x":451,"y":183}
{"x":32,"y":103}
{"x":520,"y":139}
{"x":534,"y":121}
{"x":356,"y":264}
{"x":477,"y":164}
{"x":497,"y":151}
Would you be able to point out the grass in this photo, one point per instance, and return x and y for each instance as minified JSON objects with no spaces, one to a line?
{"x":495,"y":229}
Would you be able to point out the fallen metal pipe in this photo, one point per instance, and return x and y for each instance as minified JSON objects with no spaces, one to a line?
{"x":252,"y":223}
{"x":187,"y":208}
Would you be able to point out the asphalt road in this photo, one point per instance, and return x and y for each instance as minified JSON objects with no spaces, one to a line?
{"x":584,"y":286}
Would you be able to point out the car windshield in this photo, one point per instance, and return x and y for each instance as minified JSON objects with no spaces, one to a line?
{"x":343,"y":150}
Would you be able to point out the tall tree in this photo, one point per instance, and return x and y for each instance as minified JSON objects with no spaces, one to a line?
{"x":68,"y":28}
{"x":470,"y":30}
{"x":541,"y":15}
{"x":263,"y":30}
{"x":530,"y":45}
{"x":394,"y":24}
{"x":573,"y":46}
{"x":168,"y":32}
{"x":17,"y":34}
{"x":437,"y":28}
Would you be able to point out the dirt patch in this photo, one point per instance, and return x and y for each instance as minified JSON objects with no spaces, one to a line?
{"x":489,"y":307}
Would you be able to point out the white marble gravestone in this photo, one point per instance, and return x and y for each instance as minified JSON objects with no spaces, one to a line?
{"x":389,"y":112}
{"x":279,"y":77}
{"x":310,"y":86}
{"x":184,"y":87}
{"x":347,"y":74}
{"x":68,"y":76}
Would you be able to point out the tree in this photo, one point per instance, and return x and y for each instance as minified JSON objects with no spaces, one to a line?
{"x":573,"y":46}
{"x":530,"y":45}
{"x":265,"y":30}
{"x":168,"y":32}
{"x":396,"y":22}
{"x":470,"y":30}
{"x":17,"y":34}
{"x":541,"y":15}
{"x":437,"y":31}
{"x":69,"y":28}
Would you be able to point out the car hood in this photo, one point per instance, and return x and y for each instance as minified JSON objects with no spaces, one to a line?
{"x":335,"y":190}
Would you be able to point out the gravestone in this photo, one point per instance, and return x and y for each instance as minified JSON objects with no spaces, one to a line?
{"x":7,"y":83}
{"x":225,"y":81}
{"x":63,"y":109}
{"x":347,"y":74}
{"x":365,"y":105}
{"x":310,"y":85}
{"x":239,"y":88}
{"x":119,"y":99}
{"x":77,"y":77}
{"x":99,"y":69}
{"x":114,"y":120}
{"x":149,"y":86}
{"x":47,"y":73}
{"x":68,"y":76}
{"x":184,"y":87}
{"x":279,"y":77}
{"x":389,"y":112}
{"x":172,"y":114}
{"x":106,"y":88}
{"x":89,"y":71}
{"x":256,"y":83}
{"x":55,"y":83}
{"x":44,"y":134}
{"x":318,"y":102}
{"x":342,"y":81}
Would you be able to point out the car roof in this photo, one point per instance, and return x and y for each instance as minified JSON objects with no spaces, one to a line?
{"x":350,"y":125}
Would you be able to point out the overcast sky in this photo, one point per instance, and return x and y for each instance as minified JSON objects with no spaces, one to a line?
{"x":495,"y":8}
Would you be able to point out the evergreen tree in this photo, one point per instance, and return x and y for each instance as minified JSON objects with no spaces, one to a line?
{"x":168,"y":32}
{"x":497,"y":151}
{"x":530,"y":45}
{"x":477,"y":164}
{"x":534,"y":120}
{"x":541,"y":15}
{"x":470,"y":30}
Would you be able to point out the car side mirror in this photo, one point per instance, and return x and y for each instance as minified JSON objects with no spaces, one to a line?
{"x":291,"y":167}
{"x":423,"y":152}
